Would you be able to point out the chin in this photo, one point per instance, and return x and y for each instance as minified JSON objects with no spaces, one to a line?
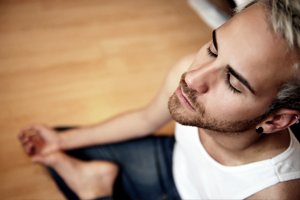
{"x":179,"y":113}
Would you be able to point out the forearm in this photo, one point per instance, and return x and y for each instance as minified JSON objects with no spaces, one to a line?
{"x":134,"y":124}
{"x":122,"y":127}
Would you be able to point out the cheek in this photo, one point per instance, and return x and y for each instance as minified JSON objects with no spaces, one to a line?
{"x":230,"y":107}
{"x":221,"y":106}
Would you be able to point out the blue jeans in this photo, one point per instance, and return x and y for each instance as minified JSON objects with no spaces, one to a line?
{"x":145,"y":168}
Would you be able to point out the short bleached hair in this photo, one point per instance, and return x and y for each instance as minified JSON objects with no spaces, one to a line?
{"x":284,"y":18}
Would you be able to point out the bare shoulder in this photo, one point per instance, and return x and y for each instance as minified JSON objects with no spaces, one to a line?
{"x":157,"y":111}
{"x":289,"y":190}
{"x":174,"y":75}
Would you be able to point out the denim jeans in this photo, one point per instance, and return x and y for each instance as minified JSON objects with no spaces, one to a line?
{"x":145,"y":168}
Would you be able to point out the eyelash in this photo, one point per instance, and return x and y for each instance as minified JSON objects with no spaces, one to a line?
{"x":210,"y":53}
{"x":230,"y":87}
{"x":227,"y":73}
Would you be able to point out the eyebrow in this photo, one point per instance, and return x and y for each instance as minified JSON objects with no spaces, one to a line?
{"x":214,"y":39}
{"x":240,"y":78}
{"x":230,"y":69}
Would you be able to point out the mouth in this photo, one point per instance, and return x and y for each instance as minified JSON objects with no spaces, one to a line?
{"x":184,"y":100}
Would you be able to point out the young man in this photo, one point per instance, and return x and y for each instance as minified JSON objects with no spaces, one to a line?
{"x":238,"y":97}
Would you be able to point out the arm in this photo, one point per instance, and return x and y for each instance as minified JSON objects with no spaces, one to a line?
{"x":41,"y":139}
{"x":133,"y":124}
{"x":288,"y":190}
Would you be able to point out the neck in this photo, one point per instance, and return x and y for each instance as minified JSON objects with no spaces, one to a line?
{"x":243,"y":148}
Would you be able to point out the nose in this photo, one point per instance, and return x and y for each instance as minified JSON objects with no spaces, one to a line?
{"x":200,"y":79}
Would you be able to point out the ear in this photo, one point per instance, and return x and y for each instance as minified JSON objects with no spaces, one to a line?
{"x":280,"y":120}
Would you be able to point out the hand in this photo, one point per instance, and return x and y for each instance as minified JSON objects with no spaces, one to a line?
{"x":39,"y":140}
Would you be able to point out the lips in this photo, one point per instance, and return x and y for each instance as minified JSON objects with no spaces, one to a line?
{"x":184,"y":100}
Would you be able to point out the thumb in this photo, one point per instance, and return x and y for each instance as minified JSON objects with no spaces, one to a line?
{"x":48,"y":160}
{"x":39,"y":159}
{"x":48,"y":149}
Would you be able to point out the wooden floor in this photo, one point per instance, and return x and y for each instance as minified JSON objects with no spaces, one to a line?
{"x":77,"y":62}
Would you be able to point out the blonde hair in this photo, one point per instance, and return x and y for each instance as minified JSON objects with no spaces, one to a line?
{"x":284,"y":18}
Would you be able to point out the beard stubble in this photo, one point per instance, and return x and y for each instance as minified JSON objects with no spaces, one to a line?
{"x":201,"y":119}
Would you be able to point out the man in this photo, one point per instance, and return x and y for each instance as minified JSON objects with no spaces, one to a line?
{"x":239,"y":97}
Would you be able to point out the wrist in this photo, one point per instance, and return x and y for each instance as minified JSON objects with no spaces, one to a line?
{"x":61,"y":141}
{"x":68,"y":139}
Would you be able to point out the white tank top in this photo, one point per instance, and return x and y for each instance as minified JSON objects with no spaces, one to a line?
{"x":199,"y":176}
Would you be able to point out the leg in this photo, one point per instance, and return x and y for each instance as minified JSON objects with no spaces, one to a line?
{"x":145,"y":168}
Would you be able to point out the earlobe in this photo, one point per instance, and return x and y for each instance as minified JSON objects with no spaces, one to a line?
{"x":259,"y":131}
{"x":280,"y":120}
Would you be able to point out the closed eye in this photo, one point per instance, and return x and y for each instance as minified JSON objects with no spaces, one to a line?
{"x":228,"y":83}
{"x":210,"y":53}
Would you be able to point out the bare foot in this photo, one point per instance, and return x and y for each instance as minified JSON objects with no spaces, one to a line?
{"x":88,"y":180}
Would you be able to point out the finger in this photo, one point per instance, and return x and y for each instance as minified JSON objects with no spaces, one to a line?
{"x":38,"y":143}
{"x":33,"y":137}
{"x":27,"y":148}
{"x":38,"y":159}
{"x":27,"y":138}
{"x":26,"y":133}
{"x":33,"y":129}
{"x":26,"y":142}
{"x":37,"y":139}
{"x":30,"y":149}
{"x":23,"y":135}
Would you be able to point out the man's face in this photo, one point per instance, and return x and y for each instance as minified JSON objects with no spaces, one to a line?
{"x":234,"y":77}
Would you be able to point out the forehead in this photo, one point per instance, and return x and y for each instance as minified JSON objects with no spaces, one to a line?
{"x":251,"y":47}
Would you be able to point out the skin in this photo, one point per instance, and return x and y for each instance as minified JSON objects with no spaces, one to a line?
{"x":237,"y":46}
{"x":249,"y":46}
{"x":237,"y":43}
{"x":260,"y":67}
